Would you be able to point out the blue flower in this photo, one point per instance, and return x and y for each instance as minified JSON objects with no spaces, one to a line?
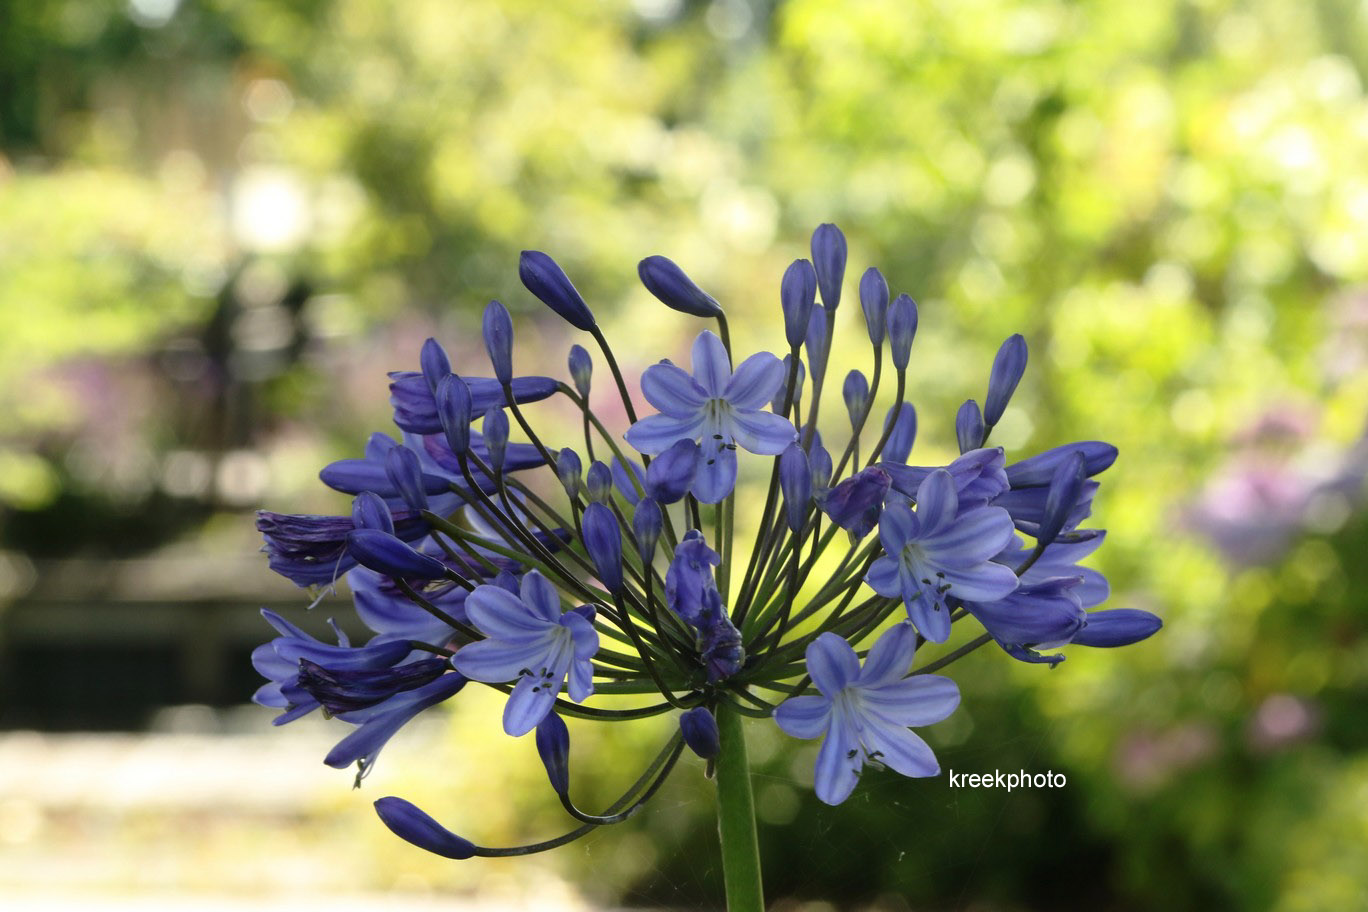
{"x":864,"y":714}
{"x":312,"y":550}
{"x":939,"y":553}
{"x":691,"y":593}
{"x":415,"y":403}
{"x":720,"y":408}
{"x":529,"y":641}
{"x":375,"y":725}
{"x":385,"y":609}
{"x":854,"y":504}
{"x":978,"y":475}
{"x":1036,"y":616}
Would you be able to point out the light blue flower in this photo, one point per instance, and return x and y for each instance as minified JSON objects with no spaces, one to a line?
{"x":938,"y":552}
{"x":716,"y":407}
{"x":864,"y":714}
{"x":529,"y":641}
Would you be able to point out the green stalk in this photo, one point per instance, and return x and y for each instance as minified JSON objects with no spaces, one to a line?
{"x":736,"y":817}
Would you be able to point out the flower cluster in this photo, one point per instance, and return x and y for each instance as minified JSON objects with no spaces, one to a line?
{"x":472,"y":557}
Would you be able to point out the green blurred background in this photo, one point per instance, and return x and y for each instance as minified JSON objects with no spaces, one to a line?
{"x":222,"y":221}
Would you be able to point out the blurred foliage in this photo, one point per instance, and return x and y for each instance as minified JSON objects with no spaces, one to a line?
{"x":1166,"y":198}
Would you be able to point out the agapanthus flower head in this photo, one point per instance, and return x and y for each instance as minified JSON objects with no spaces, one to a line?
{"x":468,"y":562}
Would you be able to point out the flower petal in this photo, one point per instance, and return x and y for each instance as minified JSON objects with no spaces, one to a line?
{"x":932,"y":620}
{"x":918,"y":700}
{"x":803,"y":717}
{"x":711,"y":366}
{"x":755,"y":382}
{"x":672,"y":391}
{"x":716,"y":475}
{"x":937,"y":502}
{"x":496,"y":661}
{"x":537,"y":593}
{"x":898,"y":525}
{"x":899,"y":749}
{"x":890,"y":657}
{"x":973,"y":537}
{"x":657,"y":433}
{"x":763,"y":433}
{"x":530,"y":701}
{"x":832,"y":663}
{"x":838,"y":762}
{"x":500,"y":614}
{"x":987,"y":582}
{"x":883,"y":577}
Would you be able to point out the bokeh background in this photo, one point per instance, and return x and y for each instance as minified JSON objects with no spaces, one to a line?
{"x":221,"y":222}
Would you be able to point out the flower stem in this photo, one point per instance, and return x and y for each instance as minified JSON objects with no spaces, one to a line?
{"x":736,"y":817}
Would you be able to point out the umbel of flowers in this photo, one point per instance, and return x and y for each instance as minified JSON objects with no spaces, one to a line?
{"x":553,"y":571}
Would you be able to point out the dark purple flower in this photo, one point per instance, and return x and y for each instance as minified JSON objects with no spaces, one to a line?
{"x":375,"y":725}
{"x":797,"y":294}
{"x":346,"y":690}
{"x":699,"y":728}
{"x":829,"y":260}
{"x":1008,"y":367}
{"x":874,"y":302}
{"x":664,"y":279}
{"x":312,"y":550}
{"x":542,"y":276}
{"x":369,"y":511}
{"x":854,"y":504}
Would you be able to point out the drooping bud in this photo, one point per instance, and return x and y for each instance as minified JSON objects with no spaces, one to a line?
{"x":369,"y":511}
{"x":903,"y":435}
{"x":1008,"y":367}
{"x":498,"y":339}
{"x":599,"y":482}
{"x":603,"y":541}
{"x":413,"y":825}
{"x":455,"y":412}
{"x":1117,"y":627}
{"x":874,"y":302}
{"x":902,"y":329}
{"x":647,"y":524}
{"x":383,"y":553}
{"x":797,"y":294}
{"x":495,"y":430}
{"x":434,"y":363}
{"x":581,"y":369}
{"x":829,"y":259}
{"x":795,"y":480}
{"x":664,"y":279}
{"x":406,"y":474}
{"x":1065,"y":488}
{"x":542,"y":276}
{"x":778,"y":403}
{"x":671,"y":474}
{"x":553,"y":746}
{"x":818,"y":344}
{"x":568,"y":470}
{"x":855,"y":391}
{"x":699,"y":728}
{"x":969,"y":426}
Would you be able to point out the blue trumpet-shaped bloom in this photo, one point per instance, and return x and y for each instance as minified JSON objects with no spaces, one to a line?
{"x":530,"y":641}
{"x":720,"y":409}
{"x":864,"y":714}
{"x":939,"y":553}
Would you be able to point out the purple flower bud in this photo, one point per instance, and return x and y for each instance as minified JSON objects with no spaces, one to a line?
{"x":1040,"y":468}
{"x":647,"y":524}
{"x":603,"y":541}
{"x":406,"y":474}
{"x":568,"y":469}
{"x":1008,"y":367}
{"x":629,"y":479}
{"x":386,"y":554}
{"x":599,"y":482}
{"x":820,"y":461}
{"x":969,"y":427}
{"x":454,"y":411}
{"x":778,"y":403}
{"x":874,"y":302}
{"x":498,"y":339}
{"x":413,"y":825}
{"x":818,"y":344}
{"x":829,"y":258}
{"x":581,"y":369}
{"x":369,"y":511}
{"x":495,"y":430}
{"x":671,"y":474}
{"x":795,"y":479}
{"x":699,"y":729}
{"x":903,"y":435}
{"x":902,"y":329}
{"x":544,"y":278}
{"x":1117,"y":627}
{"x":1065,"y":488}
{"x":434,"y":362}
{"x":854,"y":503}
{"x":856,"y":394}
{"x":797,"y":294}
{"x":553,"y":745}
{"x":664,"y":279}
